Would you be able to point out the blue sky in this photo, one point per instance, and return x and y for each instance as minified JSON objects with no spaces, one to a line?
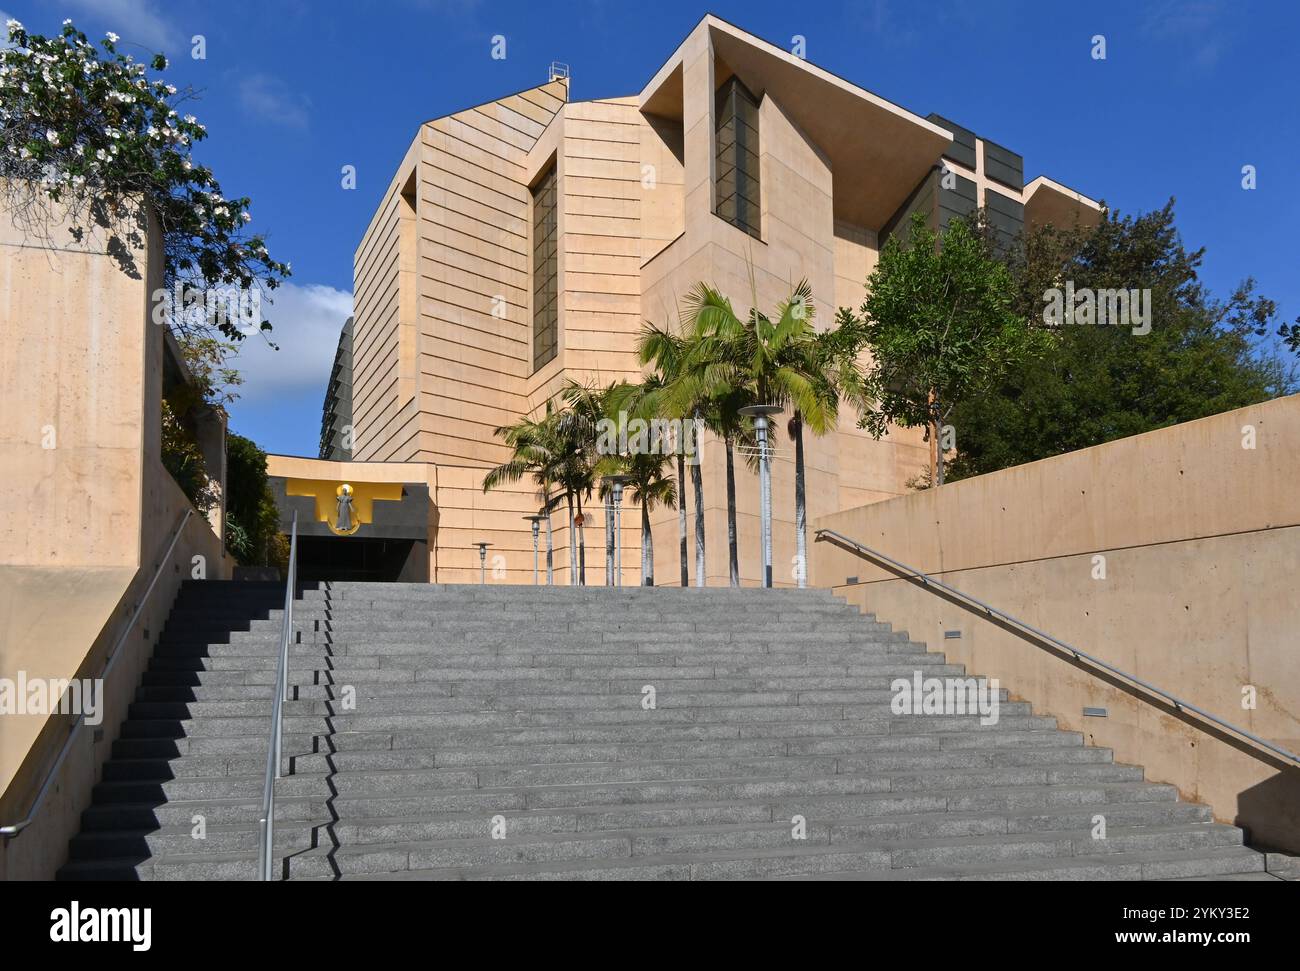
{"x":291,"y":91}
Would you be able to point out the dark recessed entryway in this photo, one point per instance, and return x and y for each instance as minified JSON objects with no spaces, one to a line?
{"x":362,"y":558}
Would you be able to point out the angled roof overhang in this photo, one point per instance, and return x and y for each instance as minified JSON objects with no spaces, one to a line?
{"x":878,"y":151}
{"x":1047,"y":202}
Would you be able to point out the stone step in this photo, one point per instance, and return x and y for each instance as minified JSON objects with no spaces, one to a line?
{"x":574,"y":681}
{"x":1012,"y":716}
{"x":359,"y":641}
{"x":827,"y":738}
{"x":542,"y":696}
{"x":591,"y":666}
{"x":852,"y":757}
{"x":419,"y":714}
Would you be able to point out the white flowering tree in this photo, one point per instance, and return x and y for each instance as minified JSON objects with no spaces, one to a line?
{"x":86,"y":131}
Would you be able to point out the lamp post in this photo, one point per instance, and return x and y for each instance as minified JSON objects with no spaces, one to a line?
{"x":536,"y":520}
{"x":760,"y":414}
{"x":482,"y":561}
{"x":616,"y":484}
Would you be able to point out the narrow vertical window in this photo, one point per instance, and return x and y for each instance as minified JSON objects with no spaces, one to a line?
{"x":736,"y":143}
{"x":545,"y":297}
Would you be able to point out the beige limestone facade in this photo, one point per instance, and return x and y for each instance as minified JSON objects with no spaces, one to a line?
{"x":446,"y":344}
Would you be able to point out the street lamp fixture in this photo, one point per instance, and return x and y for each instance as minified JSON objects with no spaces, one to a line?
{"x":536,"y":520}
{"x":616,"y":484}
{"x":761,"y":414}
{"x":482,"y":561}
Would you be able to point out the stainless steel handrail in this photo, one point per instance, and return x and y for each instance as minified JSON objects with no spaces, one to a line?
{"x":989,"y":611}
{"x":266,"y":825}
{"x":14,"y":829}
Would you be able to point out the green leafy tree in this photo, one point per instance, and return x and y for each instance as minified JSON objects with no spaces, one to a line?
{"x":1086,"y":385}
{"x":253,"y":534}
{"x":940,"y":325}
{"x":85,"y":128}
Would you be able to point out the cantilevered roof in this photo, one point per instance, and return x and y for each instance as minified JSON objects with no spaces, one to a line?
{"x":878,"y":151}
{"x":1047,"y":201}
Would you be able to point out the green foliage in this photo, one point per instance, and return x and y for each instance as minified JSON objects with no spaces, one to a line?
{"x":939,"y":323}
{"x":94,"y":133}
{"x":253,"y":534}
{"x":755,"y":360}
{"x":1086,"y":385}
{"x":182,"y":458}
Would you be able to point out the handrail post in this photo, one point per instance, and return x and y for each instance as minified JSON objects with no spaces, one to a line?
{"x":266,"y":824}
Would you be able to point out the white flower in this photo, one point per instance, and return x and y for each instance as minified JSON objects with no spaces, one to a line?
{"x":187,"y":165}
{"x":66,"y":22}
{"x":171,"y":89}
{"x":51,"y":136}
{"x":191,"y":119}
{"x":245,"y":217}
{"x":13,"y":25}
{"x":101,"y":154}
{"x":112,"y":37}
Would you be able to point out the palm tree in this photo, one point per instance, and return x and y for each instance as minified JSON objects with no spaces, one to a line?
{"x":665,"y":351}
{"x":578,"y":425}
{"x":537,"y":450}
{"x":761,"y":361}
{"x":650,"y":486}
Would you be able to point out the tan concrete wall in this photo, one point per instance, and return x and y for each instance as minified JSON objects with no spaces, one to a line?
{"x":87,"y":519}
{"x":1201,"y":540}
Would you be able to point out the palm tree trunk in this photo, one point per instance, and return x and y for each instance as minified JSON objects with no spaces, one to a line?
{"x":647,"y":549}
{"x":582,"y":546}
{"x":732,"y":556}
{"x":573,"y":551}
{"x":681,"y":518}
{"x":800,"y":501}
{"x":550,"y":549}
{"x":645,"y":516}
{"x":697,"y":482}
{"x":610,"y":526}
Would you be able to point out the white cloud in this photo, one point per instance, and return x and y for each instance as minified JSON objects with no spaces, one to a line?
{"x":306,"y":321}
{"x":271,"y":99}
{"x":136,"y":21}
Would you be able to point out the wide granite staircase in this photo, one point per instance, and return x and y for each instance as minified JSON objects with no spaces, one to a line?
{"x":493,"y":732}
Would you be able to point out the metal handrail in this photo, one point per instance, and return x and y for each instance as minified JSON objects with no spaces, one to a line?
{"x":14,"y":829}
{"x":266,"y":825}
{"x":1079,"y":655}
